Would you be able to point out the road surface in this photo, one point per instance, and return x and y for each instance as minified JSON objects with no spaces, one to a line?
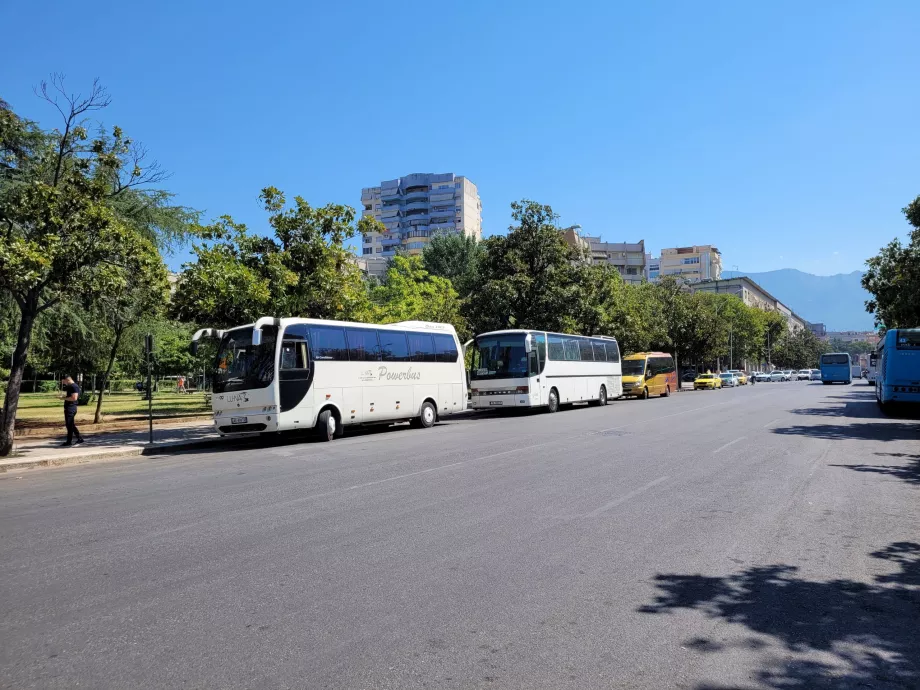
{"x":765,"y":536}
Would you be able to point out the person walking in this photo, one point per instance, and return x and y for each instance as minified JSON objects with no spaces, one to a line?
{"x":70,"y":396}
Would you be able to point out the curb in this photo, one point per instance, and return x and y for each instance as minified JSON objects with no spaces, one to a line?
{"x":35,"y":433}
{"x":112,"y":454}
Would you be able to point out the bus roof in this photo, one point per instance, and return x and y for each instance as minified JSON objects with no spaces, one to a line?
{"x":397,"y":326}
{"x":510,"y":331}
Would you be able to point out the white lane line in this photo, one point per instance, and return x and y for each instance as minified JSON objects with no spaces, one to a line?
{"x":730,"y":443}
{"x":769,"y":424}
{"x":622,"y":499}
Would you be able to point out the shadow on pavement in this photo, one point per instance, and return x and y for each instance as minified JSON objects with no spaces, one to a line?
{"x":812,"y":634}
{"x":909,"y":472}
{"x":864,"y":431}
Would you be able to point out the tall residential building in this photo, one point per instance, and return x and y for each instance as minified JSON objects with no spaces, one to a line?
{"x":416,"y":207}
{"x":692,"y":264}
{"x":752,"y":295}
{"x":627,"y":257}
{"x":652,"y":268}
{"x":819,"y":329}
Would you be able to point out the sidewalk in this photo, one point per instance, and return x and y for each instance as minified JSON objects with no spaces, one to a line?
{"x":48,"y":451}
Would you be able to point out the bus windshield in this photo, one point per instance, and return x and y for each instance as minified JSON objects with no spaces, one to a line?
{"x":240,"y":366}
{"x":499,"y":357}
{"x":633,"y":367}
{"x":835,"y":359}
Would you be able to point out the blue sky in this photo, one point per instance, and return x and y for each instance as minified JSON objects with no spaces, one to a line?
{"x":784,"y":133}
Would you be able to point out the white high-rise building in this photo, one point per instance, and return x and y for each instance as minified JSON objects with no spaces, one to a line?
{"x":416,"y":207}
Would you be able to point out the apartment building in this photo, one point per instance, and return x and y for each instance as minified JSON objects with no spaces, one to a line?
{"x":652,"y":268}
{"x":416,"y":207}
{"x":870,"y":337}
{"x":752,"y":295}
{"x":627,"y":257}
{"x":819,"y":329}
{"x":691,"y":264}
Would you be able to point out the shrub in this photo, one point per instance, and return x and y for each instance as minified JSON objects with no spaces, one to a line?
{"x":48,"y":386}
{"x":84,"y":397}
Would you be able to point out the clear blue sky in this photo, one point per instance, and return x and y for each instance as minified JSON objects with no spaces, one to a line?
{"x":785,"y":133}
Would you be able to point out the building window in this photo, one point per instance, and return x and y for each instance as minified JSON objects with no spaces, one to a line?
{"x":367,"y":207}
{"x":377,"y":207}
{"x":457,"y":185}
{"x":632,"y":271}
{"x":691,"y":260}
{"x":368,"y":250}
{"x":379,"y":249}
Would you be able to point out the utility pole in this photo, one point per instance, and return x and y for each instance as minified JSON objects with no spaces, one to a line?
{"x":148,"y":346}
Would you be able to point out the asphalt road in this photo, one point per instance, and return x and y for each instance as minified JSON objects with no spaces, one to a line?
{"x":767,"y":536}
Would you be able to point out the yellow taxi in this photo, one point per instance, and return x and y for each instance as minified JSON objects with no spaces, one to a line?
{"x":704,"y":381}
{"x":740,"y":375}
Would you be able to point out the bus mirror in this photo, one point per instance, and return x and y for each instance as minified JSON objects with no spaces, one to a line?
{"x":256,"y":337}
{"x":193,"y":348}
{"x":528,"y":343}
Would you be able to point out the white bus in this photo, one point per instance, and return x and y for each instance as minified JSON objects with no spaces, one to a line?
{"x":523,"y":368}
{"x":288,"y":374}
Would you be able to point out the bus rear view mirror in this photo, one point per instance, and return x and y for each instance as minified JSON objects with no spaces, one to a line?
{"x":256,"y":337}
{"x":193,"y":348}
{"x":528,"y":343}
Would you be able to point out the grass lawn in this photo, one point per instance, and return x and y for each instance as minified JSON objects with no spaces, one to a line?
{"x":40,"y":409}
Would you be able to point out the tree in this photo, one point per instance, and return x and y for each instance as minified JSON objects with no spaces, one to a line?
{"x":799,"y":349}
{"x":303,"y":269}
{"x":62,"y":234}
{"x":411,"y":293}
{"x":527,"y":276}
{"x":145,"y":292}
{"x":893,"y":278}
{"x":455,"y":257}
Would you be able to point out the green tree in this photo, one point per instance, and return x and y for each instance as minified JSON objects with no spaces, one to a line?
{"x":144,"y":293}
{"x":62,"y":234}
{"x":455,"y":257}
{"x":410,"y":293}
{"x":526,"y":277}
{"x":798,"y":349}
{"x":893,"y":278}
{"x":303,"y":269}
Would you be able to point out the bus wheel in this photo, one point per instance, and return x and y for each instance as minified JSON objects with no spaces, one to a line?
{"x":326,"y":426}
{"x":552,"y":404}
{"x":427,"y":416}
{"x":645,"y":393}
{"x":667,"y":392}
{"x":601,"y":397}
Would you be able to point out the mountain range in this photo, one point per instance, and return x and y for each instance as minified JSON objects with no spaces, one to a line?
{"x":837,"y":301}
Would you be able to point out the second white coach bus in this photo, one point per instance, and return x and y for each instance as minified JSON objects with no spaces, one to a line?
{"x":287,"y":374}
{"x":523,"y":368}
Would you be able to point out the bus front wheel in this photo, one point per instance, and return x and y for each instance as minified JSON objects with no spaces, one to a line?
{"x":552,"y":403}
{"x":645,"y":394}
{"x":326,"y":426}
{"x":427,"y":416}
{"x":667,"y":392}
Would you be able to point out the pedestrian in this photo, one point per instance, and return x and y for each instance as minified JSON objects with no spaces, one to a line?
{"x":180,"y":385}
{"x":70,"y":396}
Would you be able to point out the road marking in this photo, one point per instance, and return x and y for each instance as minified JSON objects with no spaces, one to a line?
{"x":730,"y":443}
{"x":770,"y":423}
{"x":622,"y":499}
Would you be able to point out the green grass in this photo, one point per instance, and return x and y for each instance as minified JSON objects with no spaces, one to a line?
{"x":38,"y":409}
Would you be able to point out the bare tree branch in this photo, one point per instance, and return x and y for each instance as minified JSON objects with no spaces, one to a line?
{"x":73,"y":107}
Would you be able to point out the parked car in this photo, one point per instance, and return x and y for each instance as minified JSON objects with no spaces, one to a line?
{"x":788,"y":374}
{"x":740,"y":375}
{"x":728,"y":379}
{"x":815,"y":375}
{"x":688,"y":377}
{"x":762,"y":377}
{"x":778,"y":376}
{"x":707,"y":381}
{"x":803,"y":375}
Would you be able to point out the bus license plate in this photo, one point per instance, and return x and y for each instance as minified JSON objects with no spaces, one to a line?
{"x":496,"y":402}
{"x":239,"y":420}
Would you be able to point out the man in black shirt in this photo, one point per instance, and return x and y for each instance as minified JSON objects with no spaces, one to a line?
{"x":71,"y":395}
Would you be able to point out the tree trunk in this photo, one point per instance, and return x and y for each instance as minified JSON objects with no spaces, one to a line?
{"x":28,"y":313}
{"x":108,"y":371}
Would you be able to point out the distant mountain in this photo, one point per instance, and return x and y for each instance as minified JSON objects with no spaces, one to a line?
{"x":837,"y":301}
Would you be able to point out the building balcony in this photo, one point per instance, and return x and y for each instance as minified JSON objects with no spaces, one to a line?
{"x":442,"y":196}
{"x":389,"y":212}
{"x":416,"y":205}
{"x":390,"y":241}
{"x":392,"y":193}
{"x":387,"y":253}
{"x":441,"y":227}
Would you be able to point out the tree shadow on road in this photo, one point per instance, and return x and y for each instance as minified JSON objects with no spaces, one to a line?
{"x":888,"y":431}
{"x":811,"y":634}
{"x":909,"y":472}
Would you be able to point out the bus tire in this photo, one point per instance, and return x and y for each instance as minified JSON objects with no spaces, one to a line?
{"x":601,"y":397}
{"x":427,"y":416}
{"x":644,"y":395}
{"x":552,"y":402}
{"x":327,"y":428}
{"x":667,"y":392}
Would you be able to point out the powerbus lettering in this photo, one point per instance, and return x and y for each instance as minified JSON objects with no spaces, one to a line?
{"x":384,"y":375}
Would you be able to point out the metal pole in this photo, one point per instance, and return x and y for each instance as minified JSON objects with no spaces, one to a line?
{"x":731,"y":347}
{"x":148,"y":341}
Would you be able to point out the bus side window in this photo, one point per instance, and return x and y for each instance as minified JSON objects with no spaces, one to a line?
{"x":556,"y":348}
{"x":613,"y":351}
{"x":600,"y":352}
{"x":421,"y":347}
{"x":585,"y":350}
{"x":393,"y":346}
{"x":446,"y":348}
{"x":328,"y":343}
{"x":362,"y":344}
{"x":294,"y":353}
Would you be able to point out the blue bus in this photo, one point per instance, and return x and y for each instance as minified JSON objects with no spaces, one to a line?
{"x":835,"y":368}
{"x":898,"y":377}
